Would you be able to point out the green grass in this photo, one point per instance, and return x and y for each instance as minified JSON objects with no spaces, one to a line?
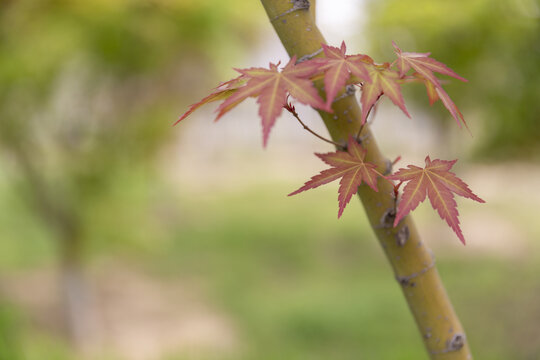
{"x":306,"y":286}
{"x":299,"y":284}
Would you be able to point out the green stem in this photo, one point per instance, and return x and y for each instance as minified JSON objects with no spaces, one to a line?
{"x":412,"y":262}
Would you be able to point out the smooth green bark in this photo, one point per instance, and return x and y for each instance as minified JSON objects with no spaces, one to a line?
{"x":412,"y":262}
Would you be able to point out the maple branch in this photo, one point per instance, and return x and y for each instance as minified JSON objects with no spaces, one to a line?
{"x":360,"y":130}
{"x":309,"y":56}
{"x":292,"y":110}
{"x":297,"y":5}
{"x":440,"y":328}
{"x":406,"y":279}
{"x":350,"y":90}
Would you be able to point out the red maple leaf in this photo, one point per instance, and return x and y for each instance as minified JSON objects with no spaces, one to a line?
{"x":272,"y":86}
{"x":425,"y":66}
{"x":222,"y":91}
{"x":438,"y":183}
{"x":431,"y":91}
{"x":350,"y":167}
{"x":338,"y":68}
{"x":383,"y":81}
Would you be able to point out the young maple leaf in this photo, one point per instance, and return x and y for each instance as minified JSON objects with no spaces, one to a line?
{"x":350,"y":167}
{"x":383,"y":81}
{"x":222,"y":91}
{"x":425,"y":66}
{"x":338,"y":68}
{"x":438,"y":182}
{"x":272,"y":86}
{"x":431,"y":91}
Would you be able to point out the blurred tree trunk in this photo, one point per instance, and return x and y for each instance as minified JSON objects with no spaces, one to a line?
{"x":412,"y":261}
{"x":78,"y":315}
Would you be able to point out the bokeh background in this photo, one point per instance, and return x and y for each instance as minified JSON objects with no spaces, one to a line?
{"x":122,"y":237}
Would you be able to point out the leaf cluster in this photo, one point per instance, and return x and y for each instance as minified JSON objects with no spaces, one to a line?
{"x":273,"y":86}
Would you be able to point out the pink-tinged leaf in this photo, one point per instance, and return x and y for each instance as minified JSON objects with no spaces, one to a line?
{"x":271,"y":105}
{"x":439,"y":184}
{"x":391,"y":88}
{"x":259,"y":73}
{"x":350,"y":167}
{"x":442,"y":200}
{"x":425,"y":66}
{"x":324,"y":177}
{"x":223,"y":91}
{"x":368,"y":172}
{"x":343,"y":47}
{"x":383,"y":81}
{"x":228,"y":107}
{"x":271,"y":87}
{"x":219,"y":95}
{"x":254,"y":87}
{"x":304,"y":91}
{"x":370,"y":95}
{"x":413,"y":194}
{"x":305,"y":69}
{"x":432,"y":65}
{"x":358,"y":65}
{"x":338,"y":69}
{"x":441,"y":171}
{"x":449,"y":104}
{"x":334,"y":80}
{"x":431,"y":92}
{"x":231,"y":84}
{"x":348,"y":186}
{"x":338,"y":159}
{"x":435,"y":93}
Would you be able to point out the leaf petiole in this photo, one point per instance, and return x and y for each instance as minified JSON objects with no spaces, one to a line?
{"x":290,"y":108}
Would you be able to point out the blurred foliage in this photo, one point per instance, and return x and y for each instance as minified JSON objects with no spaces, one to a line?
{"x":494,"y":44}
{"x":88,"y":94}
{"x":313,"y":287}
{"x":9,"y":334}
{"x":89,"y":91}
